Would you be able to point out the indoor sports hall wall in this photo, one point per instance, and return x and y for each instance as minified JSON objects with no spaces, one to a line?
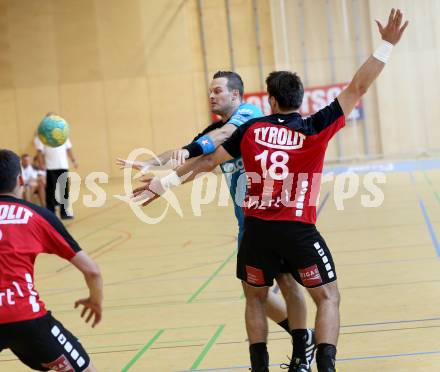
{"x":133,"y":73}
{"x":327,"y":40}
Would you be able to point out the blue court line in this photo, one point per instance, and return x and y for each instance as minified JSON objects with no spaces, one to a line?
{"x":388,"y":167}
{"x":386,"y":356}
{"x":390,"y":356}
{"x":390,"y":322}
{"x":428,"y":223}
{"x":430,"y":227}
{"x":379,"y":323}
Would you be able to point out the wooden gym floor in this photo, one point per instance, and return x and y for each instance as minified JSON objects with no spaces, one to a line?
{"x":172,"y":302}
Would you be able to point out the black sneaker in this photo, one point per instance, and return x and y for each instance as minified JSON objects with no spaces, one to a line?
{"x":67,"y":217}
{"x":329,"y":369}
{"x":310,"y":346}
{"x":296,"y":366}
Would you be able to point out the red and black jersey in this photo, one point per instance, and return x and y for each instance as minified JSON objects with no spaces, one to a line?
{"x":25,"y":231}
{"x":283,"y":155}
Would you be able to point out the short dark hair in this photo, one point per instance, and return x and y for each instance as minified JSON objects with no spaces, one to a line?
{"x":286,"y":87}
{"x":10,"y":168}
{"x":234,"y":80}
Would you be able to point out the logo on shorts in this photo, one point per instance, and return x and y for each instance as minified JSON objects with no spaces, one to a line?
{"x":74,"y":354}
{"x":310,"y":276}
{"x":254,"y":275}
{"x":62,"y":364}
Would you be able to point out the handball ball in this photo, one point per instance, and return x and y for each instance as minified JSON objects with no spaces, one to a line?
{"x":53,"y":130}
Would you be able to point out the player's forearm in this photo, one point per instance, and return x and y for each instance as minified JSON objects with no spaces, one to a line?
{"x":366,"y":74}
{"x":222,"y":134}
{"x":93,"y":279}
{"x":362,"y":80}
{"x":91,"y":272}
{"x":190,"y":170}
{"x":207,"y":143}
{"x":161,"y":159}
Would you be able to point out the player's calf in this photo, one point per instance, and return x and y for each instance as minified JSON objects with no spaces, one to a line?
{"x":327,"y":300}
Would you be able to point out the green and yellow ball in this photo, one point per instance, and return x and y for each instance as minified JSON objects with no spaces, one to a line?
{"x":53,"y":131}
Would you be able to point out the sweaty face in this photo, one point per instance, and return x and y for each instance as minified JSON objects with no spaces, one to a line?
{"x":220,"y":97}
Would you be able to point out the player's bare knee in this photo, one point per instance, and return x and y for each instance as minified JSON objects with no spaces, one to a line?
{"x":326,"y":294}
{"x":256,"y":294}
{"x":286,"y":283}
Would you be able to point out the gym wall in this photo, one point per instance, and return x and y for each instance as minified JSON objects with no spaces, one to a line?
{"x":132,"y":73}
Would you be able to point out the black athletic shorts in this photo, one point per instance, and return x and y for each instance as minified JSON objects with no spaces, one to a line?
{"x":270,"y":247}
{"x":44,"y":344}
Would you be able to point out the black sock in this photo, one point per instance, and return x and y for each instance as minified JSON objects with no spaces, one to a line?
{"x":259,"y":356}
{"x":285,"y":325}
{"x":325,"y":357}
{"x":299,"y":338}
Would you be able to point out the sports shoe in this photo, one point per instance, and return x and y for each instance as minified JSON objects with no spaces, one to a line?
{"x":296,"y":366}
{"x":310,"y":346}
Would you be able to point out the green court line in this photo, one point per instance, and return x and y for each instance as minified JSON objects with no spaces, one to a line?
{"x":143,"y":350}
{"x":179,"y":341}
{"x":208,"y":347}
{"x":213,"y":275}
{"x":146,"y":330}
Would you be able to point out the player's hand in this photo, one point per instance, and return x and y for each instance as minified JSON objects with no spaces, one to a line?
{"x":179,"y":157}
{"x":393,"y":31}
{"x":91,"y":309}
{"x":148,"y":192}
{"x":138,"y":165}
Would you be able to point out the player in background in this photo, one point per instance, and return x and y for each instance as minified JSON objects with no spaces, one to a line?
{"x":33,"y":182}
{"x":26,"y":327}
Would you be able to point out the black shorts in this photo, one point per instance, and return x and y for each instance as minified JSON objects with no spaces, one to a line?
{"x":44,"y":344}
{"x":272,"y":247}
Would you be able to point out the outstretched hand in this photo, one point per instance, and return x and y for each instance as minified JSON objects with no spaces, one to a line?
{"x":148,"y":192}
{"x":178,"y":158}
{"x":93,"y":308}
{"x":393,"y":30}
{"x":122,"y":163}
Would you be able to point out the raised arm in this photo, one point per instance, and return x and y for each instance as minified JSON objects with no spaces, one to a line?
{"x":373,"y":66}
{"x":162,"y":161}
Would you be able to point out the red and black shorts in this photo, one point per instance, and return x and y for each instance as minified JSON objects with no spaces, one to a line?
{"x":43,"y":344}
{"x":272,"y":247}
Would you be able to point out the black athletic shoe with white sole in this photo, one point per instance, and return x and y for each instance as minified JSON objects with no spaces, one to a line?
{"x":296,"y":366}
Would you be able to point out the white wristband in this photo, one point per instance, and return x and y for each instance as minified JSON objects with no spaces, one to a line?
{"x":383,"y":52}
{"x":170,"y":180}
